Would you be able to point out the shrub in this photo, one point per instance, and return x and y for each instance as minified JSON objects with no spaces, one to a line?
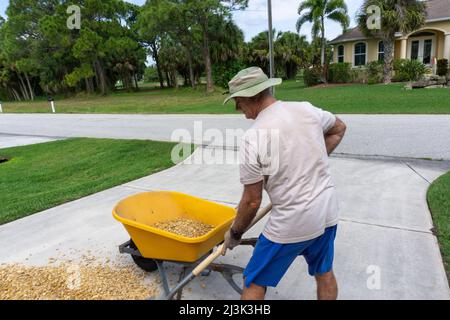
{"x":312,"y":76}
{"x":223,"y":72}
{"x":375,"y":72}
{"x":339,"y":72}
{"x":359,"y":75}
{"x":408,"y":70}
{"x":3,"y":95}
{"x":442,"y":67}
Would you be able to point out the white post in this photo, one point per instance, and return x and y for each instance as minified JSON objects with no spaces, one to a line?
{"x":403,"y":46}
{"x":1,"y":109}
{"x":52,"y":104}
{"x":271,"y":58}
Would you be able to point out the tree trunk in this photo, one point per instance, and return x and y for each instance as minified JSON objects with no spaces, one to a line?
{"x":168,"y":80}
{"x":136,"y":81}
{"x":158,"y":68}
{"x":29,"y":87}
{"x":174,"y":80}
{"x":388,"y":59}
{"x":16,"y":94}
{"x":102,"y":77}
{"x":97,"y":82}
{"x":191,"y":68}
{"x":127,"y":83}
{"x":89,"y":85}
{"x":207,"y":57}
{"x":86,"y":84}
{"x":23,"y":88}
{"x":322,"y":53}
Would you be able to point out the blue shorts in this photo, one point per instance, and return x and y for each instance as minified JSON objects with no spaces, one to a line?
{"x":271,"y":260}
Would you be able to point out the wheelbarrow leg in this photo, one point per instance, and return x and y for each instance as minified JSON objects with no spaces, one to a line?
{"x":182,"y":275}
{"x":170,"y":293}
{"x":179,"y":286}
{"x":228,"y":271}
{"x":162,"y":274}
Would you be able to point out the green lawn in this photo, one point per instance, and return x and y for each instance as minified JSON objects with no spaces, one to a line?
{"x":41,"y":176}
{"x":371,"y":99}
{"x":353,"y":99}
{"x":439,"y":202}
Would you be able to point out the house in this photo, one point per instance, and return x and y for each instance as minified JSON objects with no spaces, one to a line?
{"x":431,"y":41}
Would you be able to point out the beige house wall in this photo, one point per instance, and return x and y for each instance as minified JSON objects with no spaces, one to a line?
{"x":349,"y":49}
{"x":442,"y":25}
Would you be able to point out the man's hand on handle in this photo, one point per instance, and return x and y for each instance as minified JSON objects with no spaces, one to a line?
{"x":232,"y":240}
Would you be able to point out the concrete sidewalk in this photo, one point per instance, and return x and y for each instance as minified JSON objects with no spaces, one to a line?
{"x":385,"y":226}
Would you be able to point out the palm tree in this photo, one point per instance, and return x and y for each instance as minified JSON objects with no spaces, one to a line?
{"x":402,"y":16}
{"x":316,"y":12}
{"x":258,"y":50}
{"x":291,"y":52}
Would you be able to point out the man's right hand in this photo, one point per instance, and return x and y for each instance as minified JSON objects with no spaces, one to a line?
{"x":230,"y":242}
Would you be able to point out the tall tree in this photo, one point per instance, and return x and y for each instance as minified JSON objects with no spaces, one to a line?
{"x":396,"y":16}
{"x":150,"y":30}
{"x":21,"y":39}
{"x":316,"y":12}
{"x":204,"y":11}
{"x":182,"y":25}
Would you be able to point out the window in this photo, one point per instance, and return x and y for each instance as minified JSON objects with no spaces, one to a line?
{"x":380,"y":51}
{"x":427,"y":51}
{"x":360,"y":54}
{"x":415,"y":50}
{"x":340,"y":54}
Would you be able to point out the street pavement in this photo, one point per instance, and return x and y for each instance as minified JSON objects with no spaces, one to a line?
{"x":410,"y":136}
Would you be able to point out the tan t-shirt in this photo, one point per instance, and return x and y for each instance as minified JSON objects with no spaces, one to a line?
{"x":286,"y":149}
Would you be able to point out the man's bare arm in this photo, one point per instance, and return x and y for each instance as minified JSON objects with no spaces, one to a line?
{"x":335,"y":135}
{"x":248,"y":206}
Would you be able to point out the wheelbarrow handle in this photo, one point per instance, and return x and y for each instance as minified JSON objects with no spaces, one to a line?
{"x":213,"y":256}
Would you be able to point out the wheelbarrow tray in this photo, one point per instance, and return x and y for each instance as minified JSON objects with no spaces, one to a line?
{"x":138,"y":212}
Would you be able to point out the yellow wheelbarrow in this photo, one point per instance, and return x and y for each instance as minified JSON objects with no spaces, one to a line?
{"x":150,"y":247}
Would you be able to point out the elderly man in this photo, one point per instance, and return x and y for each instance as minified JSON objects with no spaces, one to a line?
{"x":295,"y":173}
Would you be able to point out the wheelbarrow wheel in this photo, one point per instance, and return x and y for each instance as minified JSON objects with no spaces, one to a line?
{"x":145,"y":264}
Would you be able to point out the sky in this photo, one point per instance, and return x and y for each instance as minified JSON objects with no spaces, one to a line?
{"x":254,"y":19}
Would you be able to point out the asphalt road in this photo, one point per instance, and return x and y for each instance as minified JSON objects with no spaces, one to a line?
{"x":410,"y":136}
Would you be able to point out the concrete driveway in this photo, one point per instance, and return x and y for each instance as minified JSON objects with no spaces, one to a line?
{"x":15,"y":140}
{"x":384,"y":232}
{"x":412,"y":136}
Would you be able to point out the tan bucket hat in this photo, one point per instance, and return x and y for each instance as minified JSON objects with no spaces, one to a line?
{"x":249,"y":82}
